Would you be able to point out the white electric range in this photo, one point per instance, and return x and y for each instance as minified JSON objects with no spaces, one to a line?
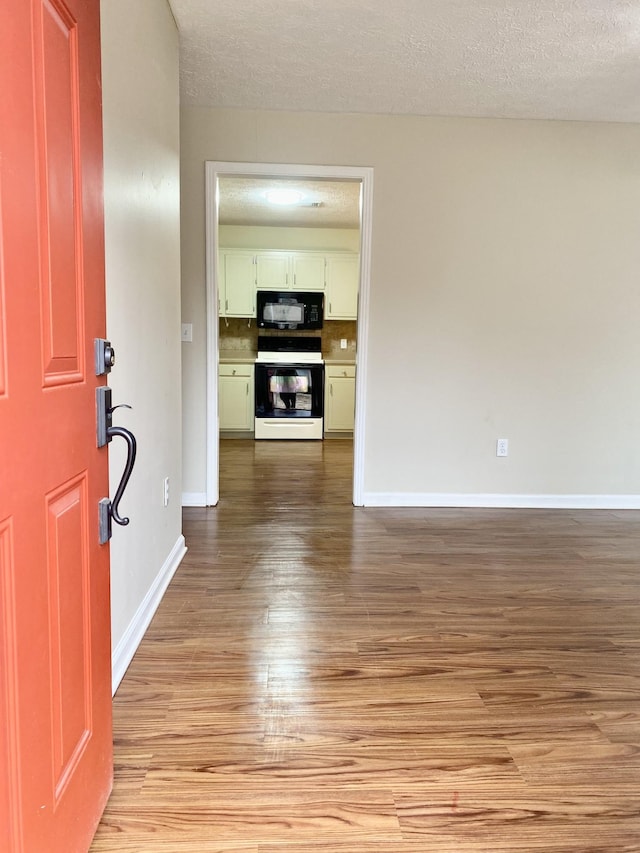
{"x":289,"y":388}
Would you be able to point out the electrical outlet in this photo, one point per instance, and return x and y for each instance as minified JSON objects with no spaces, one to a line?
{"x":343,"y":343}
{"x":187,"y":332}
{"x":502,"y":447}
{"x":165,"y":491}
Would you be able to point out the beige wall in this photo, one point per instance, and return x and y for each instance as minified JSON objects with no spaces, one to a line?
{"x":141,"y":132}
{"x":270,"y":237}
{"x":504,"y":298}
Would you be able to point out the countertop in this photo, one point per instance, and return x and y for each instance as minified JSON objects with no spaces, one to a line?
{"x":237,"y":356}
{"x":340,"y":359}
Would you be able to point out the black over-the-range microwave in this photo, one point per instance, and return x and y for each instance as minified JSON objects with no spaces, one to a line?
{"x":288,"y":309}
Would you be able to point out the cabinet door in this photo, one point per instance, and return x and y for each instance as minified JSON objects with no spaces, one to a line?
{"x":238,"y":299}
{"x":272,"y":271}
{"x":343,"y":275}
{"x":235,"y":399}
{"x":340,"y":399}
{"x":308,"y":271}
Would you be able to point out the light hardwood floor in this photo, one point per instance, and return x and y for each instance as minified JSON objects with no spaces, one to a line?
{"x":324,"y":678}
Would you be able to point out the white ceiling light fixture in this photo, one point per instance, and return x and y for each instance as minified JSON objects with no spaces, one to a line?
{"x":284,"y":196}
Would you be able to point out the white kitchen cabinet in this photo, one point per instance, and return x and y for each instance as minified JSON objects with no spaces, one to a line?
{"x":339,"y":398}
{"x":245,"y":271}
{"x":343,"y":278}
{"x":237,"y":286}
{"x":235,"y":397}
{"x":290,"y":270}
{"x":273,"y":271}
{"x":308,"y":270}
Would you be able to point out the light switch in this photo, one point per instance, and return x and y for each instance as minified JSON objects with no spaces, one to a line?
{"x":187,"y":332}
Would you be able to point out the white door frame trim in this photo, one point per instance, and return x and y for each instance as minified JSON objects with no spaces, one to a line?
{"x":213,"y":170}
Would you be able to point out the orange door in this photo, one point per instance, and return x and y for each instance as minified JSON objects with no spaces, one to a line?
{"x":55,"y":696}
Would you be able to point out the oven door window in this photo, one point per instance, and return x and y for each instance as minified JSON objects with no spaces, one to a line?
{"x":292,"y":391}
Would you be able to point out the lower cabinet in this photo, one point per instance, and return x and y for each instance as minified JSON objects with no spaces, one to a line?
{"x":339,"y":398}
{"x":235,"y":397}
{"x":236,"y":405}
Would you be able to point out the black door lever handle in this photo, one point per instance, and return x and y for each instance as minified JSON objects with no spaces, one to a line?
{"x":108,"y":510}
{"x":132,"y":447}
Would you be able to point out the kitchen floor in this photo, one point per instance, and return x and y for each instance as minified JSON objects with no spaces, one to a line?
{"x":325,"y":678}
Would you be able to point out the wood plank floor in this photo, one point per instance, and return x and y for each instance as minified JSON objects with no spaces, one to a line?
{"x":324,"y":678}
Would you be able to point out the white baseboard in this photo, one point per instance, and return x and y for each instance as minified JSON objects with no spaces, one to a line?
{"x":126,"y":648}
{"x":194,"y":499}
{"x":418,"y":499}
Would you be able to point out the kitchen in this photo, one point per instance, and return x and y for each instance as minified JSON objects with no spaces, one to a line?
{"x":285,"y":244}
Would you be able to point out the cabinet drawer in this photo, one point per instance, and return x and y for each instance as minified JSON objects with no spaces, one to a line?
{"x":341,"y":371}
{"x":236,"y":370}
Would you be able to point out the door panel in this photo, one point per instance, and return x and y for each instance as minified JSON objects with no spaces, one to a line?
{"x":55,"y":679}
{"x":56,"y":70}
{"x":68,"y":576}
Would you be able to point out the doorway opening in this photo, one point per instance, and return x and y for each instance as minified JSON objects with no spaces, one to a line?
{"x":232,"y":218}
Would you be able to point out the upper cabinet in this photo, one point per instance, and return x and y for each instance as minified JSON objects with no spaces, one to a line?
{"x":273,"y":271}
{"x":243,"y":271}
{"x":290,"y":270}
{"x":308,"y":270}
{"x":237,"y":285}
{"x":343,"y":278}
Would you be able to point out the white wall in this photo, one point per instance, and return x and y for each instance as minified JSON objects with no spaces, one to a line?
{"x":142,"y":232}
{"x":504,"y":299}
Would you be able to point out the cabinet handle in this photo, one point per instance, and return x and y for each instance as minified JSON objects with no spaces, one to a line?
{"x":226,"y":304}
{"x":247,"y":389}
{"x":344,"y":372}
{"x":331,"y":389}
{"x":329,"y":307}
{"x":233,"y":372}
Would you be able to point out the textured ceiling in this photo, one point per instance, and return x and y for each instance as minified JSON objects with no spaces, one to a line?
{"x":326,"y":204}
{"x":548,"y":59}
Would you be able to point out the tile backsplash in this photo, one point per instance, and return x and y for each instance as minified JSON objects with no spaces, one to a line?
{"x":242,"y":335}
{"x":237,"y":335}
